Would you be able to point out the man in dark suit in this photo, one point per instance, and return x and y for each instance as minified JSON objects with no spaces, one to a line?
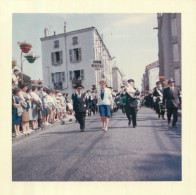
{"x":80,"y":106}
{"x":171,"y":97}
{"x":131,"y":103}
{"x":73,"y":97}
{"x":158,"y":95}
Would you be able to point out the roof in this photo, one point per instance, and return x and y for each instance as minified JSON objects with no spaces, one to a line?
{"x":67,"y":33}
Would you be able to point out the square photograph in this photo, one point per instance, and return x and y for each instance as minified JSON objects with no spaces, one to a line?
{"x":96,"y":97}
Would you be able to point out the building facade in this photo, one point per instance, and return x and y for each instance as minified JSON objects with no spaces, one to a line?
{"x":151,"y":76}
{"x":169,"y":40}
{"x":117,"y":78}
{"x":67,"y":59}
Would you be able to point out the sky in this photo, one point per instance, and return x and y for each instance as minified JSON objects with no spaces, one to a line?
{"x":130,"y":38}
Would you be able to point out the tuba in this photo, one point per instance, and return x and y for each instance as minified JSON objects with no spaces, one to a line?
{"x":130,"y":90}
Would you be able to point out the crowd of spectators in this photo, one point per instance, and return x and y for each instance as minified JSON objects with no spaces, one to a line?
{"x":34,"y":107}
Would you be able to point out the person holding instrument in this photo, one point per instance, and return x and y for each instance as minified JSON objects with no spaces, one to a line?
{"x":132,"y":94}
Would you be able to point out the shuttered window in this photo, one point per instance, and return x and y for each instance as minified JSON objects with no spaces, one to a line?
{"x":63,"y":76}
{"x":75,"y":55}
{"x":70,"y":75}
{"x":52,"y":76}
{"x":70,"y":55}
{"x":82,"y":74}
{"x":52,"y":58}
{"x":57,"y":58}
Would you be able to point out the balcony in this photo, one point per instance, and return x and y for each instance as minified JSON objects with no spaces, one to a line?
{"x":58,"y":86}
{"x":76,"y":82}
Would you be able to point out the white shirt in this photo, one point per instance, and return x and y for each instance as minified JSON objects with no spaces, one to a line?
{"x":14,"y":79}
{"x":35,"y":97}
{"x":107,"y":99}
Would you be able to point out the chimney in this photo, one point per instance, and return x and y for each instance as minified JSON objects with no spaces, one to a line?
{"x":64,"y":27}
{"x":54,"y":33}
{"x":45,"y":32}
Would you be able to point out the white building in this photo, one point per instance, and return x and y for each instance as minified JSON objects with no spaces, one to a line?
{"x":117,"y":78}
{"x":67,"y":59}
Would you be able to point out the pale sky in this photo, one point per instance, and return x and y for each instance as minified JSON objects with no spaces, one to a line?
{"x":130,"y":38}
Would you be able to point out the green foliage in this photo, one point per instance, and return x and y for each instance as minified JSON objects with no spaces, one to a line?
{"x":26,"y":79}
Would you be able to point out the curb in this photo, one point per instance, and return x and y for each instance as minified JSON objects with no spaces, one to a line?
{"x":34,"y":132}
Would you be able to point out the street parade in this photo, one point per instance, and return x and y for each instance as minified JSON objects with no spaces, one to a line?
{"x":95,"y":98}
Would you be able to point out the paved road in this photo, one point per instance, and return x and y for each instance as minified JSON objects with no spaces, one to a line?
{"x":151,"y":152}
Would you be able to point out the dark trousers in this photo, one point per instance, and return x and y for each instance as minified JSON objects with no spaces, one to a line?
{"x":123,"y":108}
{"x":131,"y":113}
{"x":158,"y":110}
{"x":172,"y":111}
{"x":80,"y":116}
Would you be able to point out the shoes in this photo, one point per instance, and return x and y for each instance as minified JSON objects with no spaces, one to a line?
{"x":134,"y":126}
{"x":129,"y":123}
{"x":174,"y":126}
{"x":163,"y":118}
{"x":158,"y":116}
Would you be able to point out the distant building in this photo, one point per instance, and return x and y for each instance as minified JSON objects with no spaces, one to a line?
{"x":169,"y":39}
{"x":151,"y":76}
{"x":67,"y":59}
{"x":117,"y":78}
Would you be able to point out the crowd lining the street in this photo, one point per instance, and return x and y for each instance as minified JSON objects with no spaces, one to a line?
{"x":35,"y":107}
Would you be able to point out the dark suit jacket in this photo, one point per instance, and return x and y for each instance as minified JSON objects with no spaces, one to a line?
{"x":171,"y":98}
{"x":80,"y":104}
{"x":132,"y":101}
{"x":156,"y":94}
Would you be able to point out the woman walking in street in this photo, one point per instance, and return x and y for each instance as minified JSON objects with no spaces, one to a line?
{"x":105,"y":104}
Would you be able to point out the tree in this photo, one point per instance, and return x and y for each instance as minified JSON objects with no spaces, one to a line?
{"x":26,"y":79}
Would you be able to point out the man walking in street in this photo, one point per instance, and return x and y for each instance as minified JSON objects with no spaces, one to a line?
{"x":80,"y":106}
{"x":132,"y":94}
{"x":171,"y":98}
{"x":158,"y":96}
{"x":122,"y":98}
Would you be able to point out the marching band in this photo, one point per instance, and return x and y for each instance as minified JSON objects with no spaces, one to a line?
{"x":106,"y":101}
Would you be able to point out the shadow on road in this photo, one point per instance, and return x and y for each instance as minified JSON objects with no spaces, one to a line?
{"x":150,"y":168}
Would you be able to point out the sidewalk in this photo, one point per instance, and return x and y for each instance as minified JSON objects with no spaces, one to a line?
{"x":68,"y":120}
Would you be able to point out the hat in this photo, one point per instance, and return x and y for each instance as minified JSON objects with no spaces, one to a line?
{"x":15,"y":70}
{"x":130,"y":80}
{"x":171,"y":80}
{"x":102,"y":81}
{"x":158,"y":82}
{"x":79,"y":87}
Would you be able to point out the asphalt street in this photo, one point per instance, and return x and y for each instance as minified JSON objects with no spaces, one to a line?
{"x":150,"y":152}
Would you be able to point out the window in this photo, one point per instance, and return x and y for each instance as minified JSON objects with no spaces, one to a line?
{"x":75,"y":55}
{"x":58,"y":78}
{"x":56,"y":44}
{"x":57,"y":58}
{"x":63,"y":76}
{"x":52,"y":76}
{"x":75,"y":40}
{"x":82,"y":74}
{"x":76,"y":75}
